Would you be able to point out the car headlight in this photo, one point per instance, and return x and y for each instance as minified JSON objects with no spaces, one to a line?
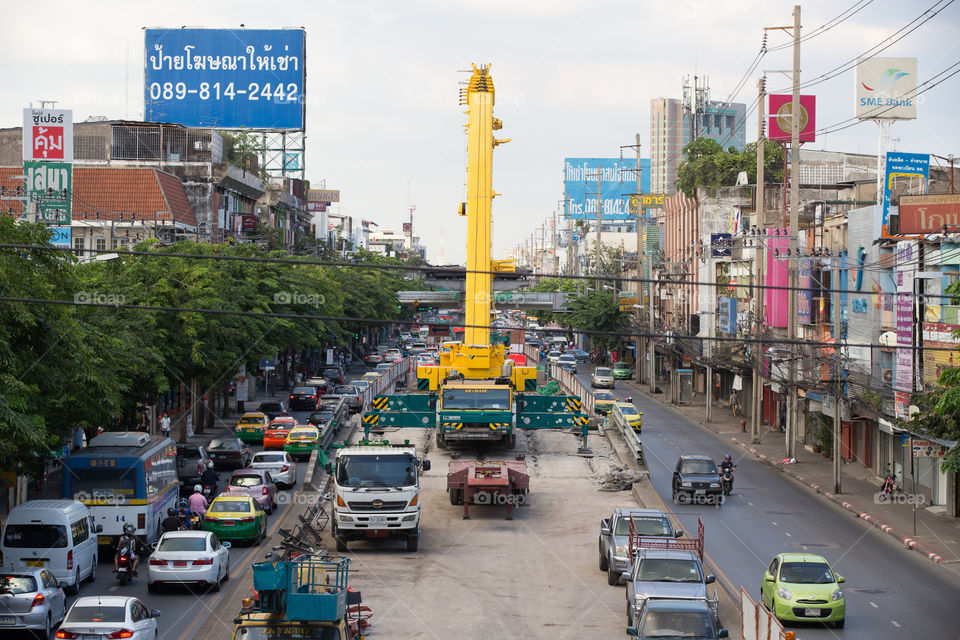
{"x":639,"y":599}
{"x":836,"y":595}
{"x":714,"y":485}
{"x":783,"y":593}
{"x":686,"y":483}
{"x":620,"y":551}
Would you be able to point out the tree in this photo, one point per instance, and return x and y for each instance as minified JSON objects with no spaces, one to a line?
{"x":706,"y":164}
{"x":599,"y":311}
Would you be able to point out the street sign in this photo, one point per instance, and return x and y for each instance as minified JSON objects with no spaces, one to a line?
{"x":242,"y":388}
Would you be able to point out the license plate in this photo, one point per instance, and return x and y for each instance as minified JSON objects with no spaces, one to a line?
{"x":227,"y":523}
{"x":35,"y":563}
{"x":104,"y":540}
{"x":7,"y":620}
{"x":811,"y":613}
{"x":700,"y":491}
{"x":90,"y":637}
{"x":179,"y":563}
{"x":213,"y":455}
{"x":378,"y":519}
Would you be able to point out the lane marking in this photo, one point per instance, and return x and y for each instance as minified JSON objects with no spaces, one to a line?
{"x":750,"y":503}
{"x":874,"y":605}
{"x":774,"y":524}
{"x":788,"y":534}
{"x":895,"y":623}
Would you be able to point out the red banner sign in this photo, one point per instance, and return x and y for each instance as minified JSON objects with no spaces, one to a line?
{"x":930,"y":214}
{"x":780,"y":119}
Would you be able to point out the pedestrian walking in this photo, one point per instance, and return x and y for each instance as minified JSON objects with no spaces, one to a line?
{"x":734,"y":402}
{"x":165,"y":424}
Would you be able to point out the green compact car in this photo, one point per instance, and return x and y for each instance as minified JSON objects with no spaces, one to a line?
{"x":802,"y":587}
{"x":236,"y":517}
{"x":622,"y":371}
{"x":301,"y":441}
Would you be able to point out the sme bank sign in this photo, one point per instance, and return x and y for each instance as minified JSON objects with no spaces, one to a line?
{"x":886,"y":89}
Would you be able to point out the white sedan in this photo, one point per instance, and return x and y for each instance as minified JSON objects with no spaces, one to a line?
{"x":102,"y":617}
{"x":188,"y":557}
{"x":281,"y":466}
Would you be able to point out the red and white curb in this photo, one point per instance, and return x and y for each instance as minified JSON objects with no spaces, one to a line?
{"x":909,"y":543}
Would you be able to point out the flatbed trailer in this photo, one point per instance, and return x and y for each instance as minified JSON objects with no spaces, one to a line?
{"x":488,"y":482}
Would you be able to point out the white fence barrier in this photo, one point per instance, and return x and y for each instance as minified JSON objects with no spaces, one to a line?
{"x":757,"y":623}
{"x":395,"y":374}
{"x":568,"y":381}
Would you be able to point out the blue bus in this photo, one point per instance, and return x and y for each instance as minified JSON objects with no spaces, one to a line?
{"x":124,"y":476}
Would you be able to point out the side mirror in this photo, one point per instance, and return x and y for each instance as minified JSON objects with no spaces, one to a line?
{"x":678,"y":533}
{"x":723,"y":633}
{"x":710,"y":579}
{"x":841,"y":579}
{"x":155,"y":613}
{"x":633,"y":631}
{"x":225,"y":544}
{"x":626,"y":576}
{"x":426,"y":465}
{"x":98,"y":528}
{"x":153,"y":546}
{"x":432,"y":401}
{"x":767,"y":576}
{"x":604,"y":531}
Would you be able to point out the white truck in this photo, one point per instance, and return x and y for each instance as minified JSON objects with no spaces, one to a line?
{"x":376,"y":493}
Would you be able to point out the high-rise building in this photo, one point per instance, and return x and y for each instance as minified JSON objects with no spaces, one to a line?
{"x":675,"y":122}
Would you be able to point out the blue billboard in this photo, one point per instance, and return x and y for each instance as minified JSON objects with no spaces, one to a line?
{"x":618,"y":181}
{"x":727,"y":318}
{"x":900,"y":166}
{"x":225,"y":78}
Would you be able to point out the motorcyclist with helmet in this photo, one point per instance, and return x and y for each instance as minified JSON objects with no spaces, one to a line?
{"x":129,"y":546}
{"x":171,"y":522}
{"x":210,"y":478}
{"x":727,"y":465}
{"x":197,"y":501}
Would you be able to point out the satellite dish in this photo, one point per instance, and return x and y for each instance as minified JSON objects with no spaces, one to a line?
{"x":888,"y":339}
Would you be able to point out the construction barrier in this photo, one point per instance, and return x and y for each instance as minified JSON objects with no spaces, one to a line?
{"x":632,"y":438}
{"x":757,"y":623}
{"x":569,"y":383}
{"x":532,"y":353}
{"x":397,"y":374}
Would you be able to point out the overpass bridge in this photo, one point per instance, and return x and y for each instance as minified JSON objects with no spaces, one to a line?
{"x":548,"y":301}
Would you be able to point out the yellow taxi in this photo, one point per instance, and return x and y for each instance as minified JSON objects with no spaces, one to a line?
{"x":302,"y":440}
{"x":627,"y":415}
{"x":603,"y":402}
{"x":250,"y":426}
{"x":370,"y":377}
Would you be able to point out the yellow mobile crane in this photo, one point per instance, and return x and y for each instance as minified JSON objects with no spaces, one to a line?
{"x":475,"y":392}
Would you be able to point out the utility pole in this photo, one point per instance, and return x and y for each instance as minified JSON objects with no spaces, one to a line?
{"x":711,"y":329}
{"x":596,"y":262}
{"x":543,"y":246}
{"x":637,"y":367}
{"x":837,"y":396}
{"x":756,"y":404}
{"x":556,"y":256}
{"x":791,"y":427}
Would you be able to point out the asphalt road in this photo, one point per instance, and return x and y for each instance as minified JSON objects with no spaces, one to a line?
{"x":890,"y":593}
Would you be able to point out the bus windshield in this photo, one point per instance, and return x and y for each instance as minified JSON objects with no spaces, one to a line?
{"x":388,"y":470}
{"x":457,"y":399}
{"x":102,"y":483}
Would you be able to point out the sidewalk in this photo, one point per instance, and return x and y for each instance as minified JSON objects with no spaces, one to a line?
{"x":937,"y":536}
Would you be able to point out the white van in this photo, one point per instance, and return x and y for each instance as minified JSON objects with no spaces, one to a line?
{"x":57,"y":535}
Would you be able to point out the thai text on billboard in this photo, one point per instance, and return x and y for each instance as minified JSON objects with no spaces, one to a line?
{"x":904,"y":166}
{"x":49,"y":186}
{"x":727,"y":319}
{"x":225,"y":78}
{"x":776,"y":298}
{"x":903,"y":379}
{"x":618,"y":181}
{"x":930,"y":214}
{"x":805,"y":293}
{"x":47,"y":135}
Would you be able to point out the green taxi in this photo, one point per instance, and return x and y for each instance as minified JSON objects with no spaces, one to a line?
{"x":236,"y":517}
{"x":251,"y":427}
{"x":301,"y":441}
{"x":603,"y":402}
{"x":622,"y":371}
{"x":803,"y":587}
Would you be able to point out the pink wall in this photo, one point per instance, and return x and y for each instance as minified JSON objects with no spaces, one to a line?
{"x":777,"y":276}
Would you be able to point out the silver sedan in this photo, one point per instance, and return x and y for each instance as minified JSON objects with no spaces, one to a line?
{"x":31,"y":599}
{"x":281,"y":466}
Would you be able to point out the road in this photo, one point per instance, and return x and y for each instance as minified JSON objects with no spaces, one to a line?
{"x":890,"y":592}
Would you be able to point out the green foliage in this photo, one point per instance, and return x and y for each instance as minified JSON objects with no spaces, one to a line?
{"x":66,"y":366}
{"x":599,"y":311}
{"x":939,"y":415}
{"x":706,"y":164}
{"x":549,"y":285}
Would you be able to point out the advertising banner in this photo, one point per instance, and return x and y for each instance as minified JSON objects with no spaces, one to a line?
{"x":901,"y":166}
{"x":777,"y":276}
{"x":49,"y":186}
{"x":727,"y":318}
{"x":886,"y":88}
{"x":62,"y":236}
{"x":780,"y":119}
{"x":903,"y":378}
{"x":323,"y":195}
{"x":48,"y":135}
{"x":225,"y":78}
{"x":929,"y":214}
{"x":805,"y":293}
{"x":721,"y":244}
{"x":618,"y":181}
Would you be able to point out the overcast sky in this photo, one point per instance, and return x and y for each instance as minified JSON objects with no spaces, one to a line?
{"x":573,"y":79}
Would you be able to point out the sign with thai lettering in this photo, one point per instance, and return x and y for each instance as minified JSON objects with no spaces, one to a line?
{"x":617,"y":184}
{"x":727,"y":318}
{"x":900,"y":167}
{"x":903,"y":380}
{"x":49,"y":186}
{"x":225,"y":78}
{"x":48,"y":135}
{"x":805,"y":293}
{"x":323,"y":195}
{"x":930,"y":214}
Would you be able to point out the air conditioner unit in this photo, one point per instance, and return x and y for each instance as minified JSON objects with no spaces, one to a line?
{"x":887,"y":376}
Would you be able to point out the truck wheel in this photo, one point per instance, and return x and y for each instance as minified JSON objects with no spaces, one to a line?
{"x":456,"y":496}
{"x":413,"y":543}
{"x":603,"y":563}
{"x":613,"y":578}
{"x":512,"y":441}
{"x":441,"y":441}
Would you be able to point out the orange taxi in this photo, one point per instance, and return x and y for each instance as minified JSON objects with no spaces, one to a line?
{"x":277,"y":431}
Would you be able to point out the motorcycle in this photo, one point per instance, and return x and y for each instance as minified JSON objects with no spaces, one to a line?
{"x":126,"y":554}
{"x":726,"y":481}
{"x":209,"y":492}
